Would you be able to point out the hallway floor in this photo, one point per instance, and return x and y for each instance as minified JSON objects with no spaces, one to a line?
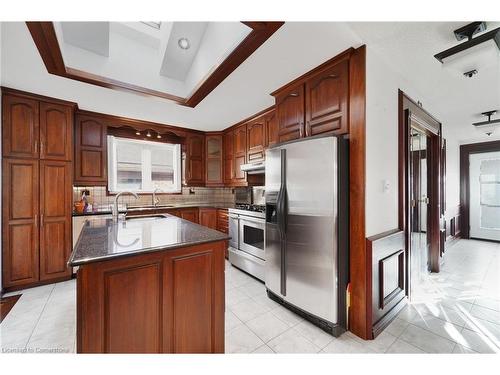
{"x":460,"y":313}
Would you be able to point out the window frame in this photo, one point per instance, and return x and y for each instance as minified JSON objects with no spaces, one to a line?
{"x":112,"y":142}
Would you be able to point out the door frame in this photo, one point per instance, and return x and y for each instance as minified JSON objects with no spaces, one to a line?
{"x":465,"y":151}
{"x":436,"y":207}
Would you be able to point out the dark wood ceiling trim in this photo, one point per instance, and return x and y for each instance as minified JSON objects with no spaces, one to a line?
{"x":465,"y":152}
{"x":261,"y":32}
{"x":45,"y":38}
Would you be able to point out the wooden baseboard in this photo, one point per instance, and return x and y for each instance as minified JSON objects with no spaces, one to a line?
{"x":388,"y":318}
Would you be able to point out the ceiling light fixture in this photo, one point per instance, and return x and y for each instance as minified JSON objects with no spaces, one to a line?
{"x":148,"y":134}
{"x":489,"y":126}
{"x":137,"y":132}
{"x":184,"y":43}
{"x":470,"y":73}
{"x":468,"y":31}
{"x":158,"y":136}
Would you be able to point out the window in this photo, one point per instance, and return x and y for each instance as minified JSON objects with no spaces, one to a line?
{"x":142,"y":166}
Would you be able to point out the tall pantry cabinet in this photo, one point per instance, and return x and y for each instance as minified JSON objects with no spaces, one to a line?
{"x":37,"y":155}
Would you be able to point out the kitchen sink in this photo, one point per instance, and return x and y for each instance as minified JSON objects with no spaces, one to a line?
{"x":134,"y":217}
{"x":149,"y":207}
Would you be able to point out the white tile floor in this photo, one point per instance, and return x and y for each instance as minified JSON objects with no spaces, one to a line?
{"x":460,"y":314}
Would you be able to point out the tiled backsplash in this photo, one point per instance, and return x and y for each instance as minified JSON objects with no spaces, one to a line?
{"x":201,"y":195}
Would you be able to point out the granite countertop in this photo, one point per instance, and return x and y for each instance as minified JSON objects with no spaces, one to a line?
{"x":172,"y":206}
{"x":102,"y":239}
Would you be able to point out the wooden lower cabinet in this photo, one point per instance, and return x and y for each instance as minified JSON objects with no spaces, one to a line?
{"x":222,"y":220}
{"x":36,"y":238}
{"x":20,"y":216}
{"x":208,"y":217}
{"x":55,"y":218}
{"x":190,"y":214}
{"x":162,"y":302}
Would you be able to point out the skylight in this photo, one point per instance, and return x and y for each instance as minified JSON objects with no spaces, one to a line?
{"x":154,"y":24}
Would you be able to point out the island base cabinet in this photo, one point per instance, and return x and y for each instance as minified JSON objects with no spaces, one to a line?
{"x":168,"y":301}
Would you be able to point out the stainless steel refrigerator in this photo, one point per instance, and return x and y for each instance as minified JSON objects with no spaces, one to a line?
{"x":306,"y":238}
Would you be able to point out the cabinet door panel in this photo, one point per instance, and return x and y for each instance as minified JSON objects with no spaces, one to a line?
{"x":56,"y":131}
{"x":256,"y":139}
{"x":239,"y":175}
{"x":214,"y":160}
{"x":290,"y":112}
{"x":90,"y":151}
{"x":208,"y":217}
{"x":190,"y":214}
{"x":55,"y":218}
{"x":240,"y":153}
{"x":133,"y":327}
{"x":228,"y":158}
{"x":240,"y":140}
{"x":195,"y":174}
{"x":327,"y":100}
{"x":20,"y":137}
{"x":272,"y":131}
{"x":193,"y":308}
{"x":20,"y":208}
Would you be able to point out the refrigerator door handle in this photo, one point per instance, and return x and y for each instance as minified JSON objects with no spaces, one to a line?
{"x":281,"y":208}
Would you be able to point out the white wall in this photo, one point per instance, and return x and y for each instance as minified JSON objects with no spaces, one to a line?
{"x":382,"y":84}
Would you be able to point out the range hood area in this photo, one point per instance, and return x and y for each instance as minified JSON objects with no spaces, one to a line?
{"x":254,"y":168}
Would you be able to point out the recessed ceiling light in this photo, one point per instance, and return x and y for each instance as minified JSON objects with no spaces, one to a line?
{"x":184,"y":43}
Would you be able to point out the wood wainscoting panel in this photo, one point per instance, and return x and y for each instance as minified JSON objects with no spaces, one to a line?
{"x":388,"y":276}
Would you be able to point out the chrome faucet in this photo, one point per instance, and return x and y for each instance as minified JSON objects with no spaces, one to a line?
{"x":154,"y":199}
{"x":114,"y":211}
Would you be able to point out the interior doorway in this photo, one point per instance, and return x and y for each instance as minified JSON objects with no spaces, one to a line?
{"x":480,"y":191}
{"x":419,"y":201}
{"x":484,"y":197}
{"x":421,"y":198}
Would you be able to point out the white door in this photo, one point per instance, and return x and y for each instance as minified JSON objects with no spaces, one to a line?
{"x":484,"y":197}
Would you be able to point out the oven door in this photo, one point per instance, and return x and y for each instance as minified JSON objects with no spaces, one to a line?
{"x":252,"y":236}
{"x":234,"y":231}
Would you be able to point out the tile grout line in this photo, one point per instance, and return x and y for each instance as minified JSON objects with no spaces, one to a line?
{"x":40,"y":316}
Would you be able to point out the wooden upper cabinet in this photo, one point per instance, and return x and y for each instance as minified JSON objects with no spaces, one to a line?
{"x":327,"y":100}
{"x":256,"y":136}
{"x":208,"y":217}
{"x":240,"y":153}
{"x":214,"y":160}
{"x":240,"y":140}
{"x":272,"y":136}
{"x":290,"y":112}
{"x":55,"y":218}
{"x":56,"y":132}
{"x":90,"y":151}
{"x":20,"y":217}
{"x":195,"y":161}
{"x":228,"y":157}
{"x":20,"y":133}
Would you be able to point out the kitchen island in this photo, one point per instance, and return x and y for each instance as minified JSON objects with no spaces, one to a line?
{"x":149,"y":285}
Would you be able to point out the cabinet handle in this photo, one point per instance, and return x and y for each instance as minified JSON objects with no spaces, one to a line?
{"x":41,"y":220}
{"x":41,"y":147}
{"x":36,"y":147}
{"x":36,"y":220}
